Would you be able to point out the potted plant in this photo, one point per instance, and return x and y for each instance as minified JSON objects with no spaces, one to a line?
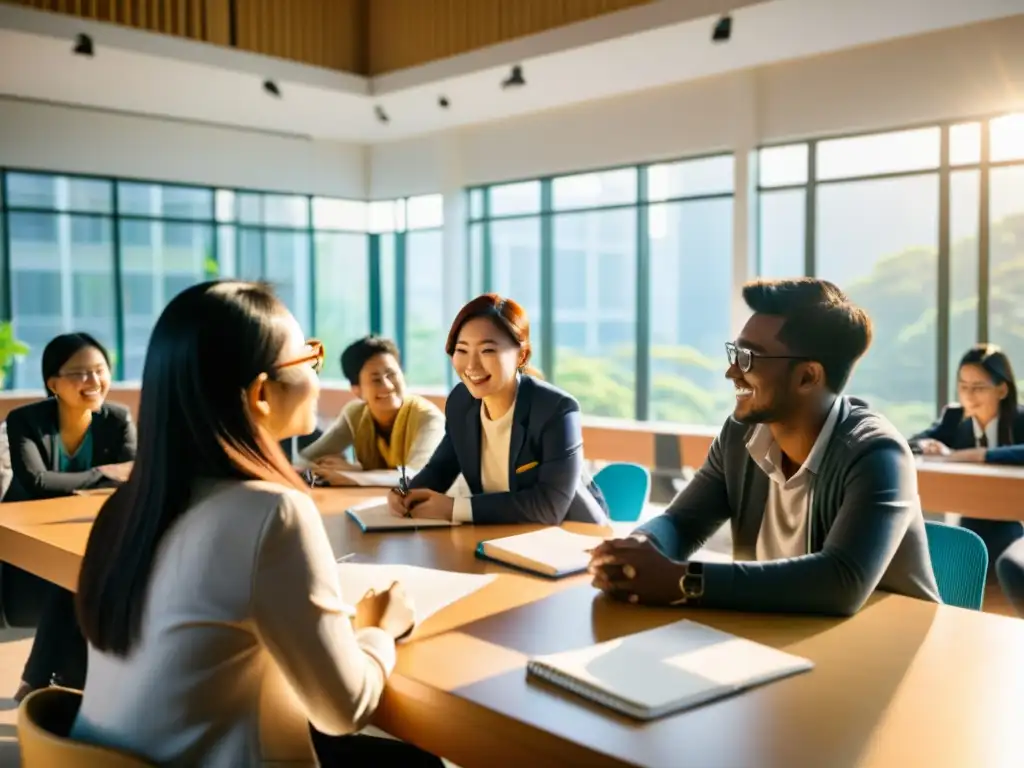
{"x":10,"y":349}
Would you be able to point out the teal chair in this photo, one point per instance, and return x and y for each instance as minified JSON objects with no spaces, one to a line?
{"x":625,"y":487}
{"x":960,"y":563}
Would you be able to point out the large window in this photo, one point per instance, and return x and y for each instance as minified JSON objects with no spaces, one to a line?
{"x":60,"y":265}
{"x":626,"y":275}
{"x":106,"y":255}
{"x":408,"y":242}
{"x":907,"y":223}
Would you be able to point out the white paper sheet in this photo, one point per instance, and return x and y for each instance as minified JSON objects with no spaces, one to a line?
{"x":430,"y":589}
{"x":371,"y":478}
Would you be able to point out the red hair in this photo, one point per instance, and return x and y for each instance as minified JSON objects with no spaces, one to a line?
{"x":506,"y":314}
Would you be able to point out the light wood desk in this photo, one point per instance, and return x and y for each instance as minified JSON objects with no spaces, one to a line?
{"x":903,"y":682}
{"x":975,"y":490}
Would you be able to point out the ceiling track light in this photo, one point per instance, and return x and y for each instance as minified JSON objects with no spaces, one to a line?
{"x":515,"y":78}
{"x":381,"y":114}
{"x":270,"y":87}
{"x":442,"y":102}
{"x":722,"y":30}
{"x":83,"y":46}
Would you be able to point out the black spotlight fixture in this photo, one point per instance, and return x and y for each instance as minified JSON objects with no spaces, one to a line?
{"x":271,"y":88}
{"x":723,"y":30}
{"x":515,"y":78}
{"x":381,"y":114}
{"x":83,"y":46}
{"x":442,"y":102}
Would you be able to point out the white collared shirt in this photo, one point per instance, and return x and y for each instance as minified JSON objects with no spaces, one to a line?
{"x":784,"y":531}
{"x":991,"y":432}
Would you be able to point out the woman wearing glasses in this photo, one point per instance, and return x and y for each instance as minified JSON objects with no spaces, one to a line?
{"x":73,"y":440}
{"x":986,"y":425}
{"x":209,"y":595}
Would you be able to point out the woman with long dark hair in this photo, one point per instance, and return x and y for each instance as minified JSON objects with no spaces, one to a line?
{"x":516,"y":439}
{"x":73,"y":440}
{"x":986,"y":425}
{"x":208,"y":593}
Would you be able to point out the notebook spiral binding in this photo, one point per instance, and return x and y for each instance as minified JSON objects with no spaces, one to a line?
{"x":580,"y":688}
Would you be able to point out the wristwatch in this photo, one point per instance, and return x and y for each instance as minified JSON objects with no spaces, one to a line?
{"x":691,"y":584}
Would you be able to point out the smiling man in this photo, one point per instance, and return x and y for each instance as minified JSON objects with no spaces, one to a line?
{"x":820,"y":491}
{"x":387,"y":427}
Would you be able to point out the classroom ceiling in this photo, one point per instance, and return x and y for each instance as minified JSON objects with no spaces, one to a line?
{"x":647,"y":46}
{"x":361,"y":37}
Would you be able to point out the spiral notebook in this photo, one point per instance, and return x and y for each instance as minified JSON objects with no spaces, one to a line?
{"x":664,"y":670}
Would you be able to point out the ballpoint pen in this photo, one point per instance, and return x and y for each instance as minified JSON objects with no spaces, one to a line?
{"x":403,"y":486}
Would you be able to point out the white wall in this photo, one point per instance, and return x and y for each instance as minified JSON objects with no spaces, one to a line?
{"x":972,"y":71}
{"x":60,"y":138}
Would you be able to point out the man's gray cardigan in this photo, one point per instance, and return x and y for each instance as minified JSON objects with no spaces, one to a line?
{"x":867,"y":529}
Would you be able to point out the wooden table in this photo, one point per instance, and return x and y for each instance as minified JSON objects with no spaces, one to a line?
{"x":903,"y":682}
{"x":975,"y":490}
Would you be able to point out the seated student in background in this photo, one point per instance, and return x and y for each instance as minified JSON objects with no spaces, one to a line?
{"x":515,"y":439}
{"x":388,"y":427}
{"x":209,"y":592}
{"x":73,"y":440}
{"x":821,"y":492}
{"x":987,"y":425}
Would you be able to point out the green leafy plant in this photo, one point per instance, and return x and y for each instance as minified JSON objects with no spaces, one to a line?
{"x":11,"y":348}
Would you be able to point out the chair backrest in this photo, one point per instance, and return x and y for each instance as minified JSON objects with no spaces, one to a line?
{"x":625,"y":487}
{"x":960,"y":562}
{"x":45,"y":718}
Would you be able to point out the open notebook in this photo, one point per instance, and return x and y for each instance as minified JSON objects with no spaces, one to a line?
{"x":373,"y":515}
{"x":429,"y":589}
{"x":550,"y":552}
{"x":667,"y":669}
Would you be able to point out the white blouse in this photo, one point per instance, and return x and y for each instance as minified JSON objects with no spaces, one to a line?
{"x":495,"y":439}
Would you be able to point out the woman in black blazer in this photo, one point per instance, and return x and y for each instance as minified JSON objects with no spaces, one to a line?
{"x":73,"y":440}
{"x":516,"y":440}
{"x":985,"y":426}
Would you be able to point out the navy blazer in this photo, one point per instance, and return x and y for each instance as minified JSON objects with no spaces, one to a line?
{"x":546,"y":479}
{"x":956,"y":432}
{"x":31,"y":430}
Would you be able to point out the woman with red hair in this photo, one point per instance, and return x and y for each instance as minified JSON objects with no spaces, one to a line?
{"x":516,"y":439}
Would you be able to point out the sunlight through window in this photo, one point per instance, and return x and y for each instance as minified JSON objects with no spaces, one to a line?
{"x":1006,"y":138}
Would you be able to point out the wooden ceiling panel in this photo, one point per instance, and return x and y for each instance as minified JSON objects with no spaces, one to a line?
{"x":324,"y":33}
{"x":205,"y":20}
{"x":361,"y":36}
{"x":406,"y":33}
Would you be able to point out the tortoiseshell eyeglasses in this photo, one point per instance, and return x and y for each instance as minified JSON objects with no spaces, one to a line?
{"x":315,"y":358}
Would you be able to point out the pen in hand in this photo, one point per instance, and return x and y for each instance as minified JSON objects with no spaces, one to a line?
{"x":403,"y":486}
{"x":403,"y":482}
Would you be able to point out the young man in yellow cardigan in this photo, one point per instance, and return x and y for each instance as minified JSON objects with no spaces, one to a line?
{"x":387,"y":427}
